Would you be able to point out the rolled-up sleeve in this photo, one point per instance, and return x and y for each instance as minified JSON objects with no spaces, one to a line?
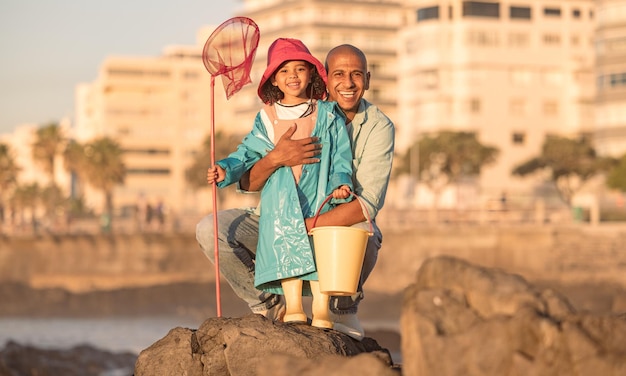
{"x":373,"y":158}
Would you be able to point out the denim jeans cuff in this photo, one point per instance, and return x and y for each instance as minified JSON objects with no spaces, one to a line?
{"x":339,"y":312}
{"x":266,"y":304}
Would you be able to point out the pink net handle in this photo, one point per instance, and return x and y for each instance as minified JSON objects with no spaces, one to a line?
{"x":230,"y":52}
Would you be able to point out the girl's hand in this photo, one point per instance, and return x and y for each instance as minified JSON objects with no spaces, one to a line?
{"x":341,"y":192}
{"x":215,"y":174}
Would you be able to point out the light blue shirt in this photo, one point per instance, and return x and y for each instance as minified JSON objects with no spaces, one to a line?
{"x":372,"y":135}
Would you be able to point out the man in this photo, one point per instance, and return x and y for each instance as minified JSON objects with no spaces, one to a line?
{"x":372,"y":138}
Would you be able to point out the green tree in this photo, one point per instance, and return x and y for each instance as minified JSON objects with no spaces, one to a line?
{"x":8,"y":170}
{"x":616,"y":178}
{"x":569,"y":162}
{"x":8,"y":176}
{"x":26,"y":198}
{"x":49,"y":141}
{"x":446,"y":157}
{"x":54,"y":203}
{"x":98,"y":163}
{"x":224,"y":145}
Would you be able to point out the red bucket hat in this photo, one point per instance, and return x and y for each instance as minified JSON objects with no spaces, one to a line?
{"x":286,"y":49}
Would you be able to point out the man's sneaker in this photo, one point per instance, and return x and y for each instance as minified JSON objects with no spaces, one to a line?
{"x":348,"y":324}
{"x":277,"y":312}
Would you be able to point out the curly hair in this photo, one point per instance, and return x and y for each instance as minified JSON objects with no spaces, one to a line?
{"x":316,"y":89}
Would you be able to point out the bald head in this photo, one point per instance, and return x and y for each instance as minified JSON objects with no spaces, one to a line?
{"x":346,"y":49}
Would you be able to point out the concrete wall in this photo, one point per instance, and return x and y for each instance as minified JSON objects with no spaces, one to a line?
{"x":569,"y":254}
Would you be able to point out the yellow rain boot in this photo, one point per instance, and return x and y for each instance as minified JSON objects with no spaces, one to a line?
{"x":292,"y":287}
{"x":321,"y":313}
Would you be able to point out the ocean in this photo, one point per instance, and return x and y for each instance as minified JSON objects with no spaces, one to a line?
{"x":115,"y":334}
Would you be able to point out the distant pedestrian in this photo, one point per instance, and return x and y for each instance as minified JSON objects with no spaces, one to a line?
{"x":149,"y":214}
{"x":160,"y":214}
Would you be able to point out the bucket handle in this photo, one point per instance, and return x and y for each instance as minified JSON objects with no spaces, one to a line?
{"x":367,"y":214}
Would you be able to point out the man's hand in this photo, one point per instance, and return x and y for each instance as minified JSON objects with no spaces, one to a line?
{"x":288,"y":152}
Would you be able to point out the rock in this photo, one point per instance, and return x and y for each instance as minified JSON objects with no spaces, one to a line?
{"x":462,"y":319}
{"x":254,"y":345}
{"x":16,"y":359}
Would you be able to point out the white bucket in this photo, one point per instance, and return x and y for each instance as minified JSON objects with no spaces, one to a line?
{"x":339,"y":253}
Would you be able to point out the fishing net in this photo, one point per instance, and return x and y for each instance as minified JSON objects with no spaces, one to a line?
{"x":229,"y":52}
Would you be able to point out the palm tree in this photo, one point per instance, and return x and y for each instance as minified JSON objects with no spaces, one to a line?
{"x":26,"y":197}
{"x":99,"y":163}
{"x":48,"y":143}
{"x":54,"y":203}
{"x":8,"y":175}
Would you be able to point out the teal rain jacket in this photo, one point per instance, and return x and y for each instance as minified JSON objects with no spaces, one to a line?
{"x":284,"y":248}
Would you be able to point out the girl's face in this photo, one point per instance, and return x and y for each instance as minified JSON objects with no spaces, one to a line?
{"x":293,"y":78}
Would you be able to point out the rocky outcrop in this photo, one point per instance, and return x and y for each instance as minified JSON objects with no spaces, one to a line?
{"x":457,"y":319}
{"x":461,"y":319}
{"x":254,"y":345}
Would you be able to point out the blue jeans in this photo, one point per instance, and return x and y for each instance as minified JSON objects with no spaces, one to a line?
{"x":238,"y":234}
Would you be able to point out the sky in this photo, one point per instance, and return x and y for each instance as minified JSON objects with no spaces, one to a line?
{"x":49,"y":46}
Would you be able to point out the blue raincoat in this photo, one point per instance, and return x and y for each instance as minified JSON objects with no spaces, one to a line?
{"x":284,"y":248}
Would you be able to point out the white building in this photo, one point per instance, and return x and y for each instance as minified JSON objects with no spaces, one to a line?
{"x":610,"y":130}
{"x":158,"y":109}
{"x":510,"y":71}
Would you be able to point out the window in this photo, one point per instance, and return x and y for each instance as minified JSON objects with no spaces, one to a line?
{"x":148,"y":171}
{"x":550,"y":108}
{"x":147,"y":151}
{"x":576,"y":13}
{"x":474,"y":105}
{"x":518,"y":138}
{"x":552,"y":12}
{"x":519,"y":13}
{"x":519,"y":40}
{"x":482,"y":38}
{"x":137,"y":72}
{"x":552,"y":78}
{"x":517,"y":107}
{"x":617,"y":79}
{"x":481,"y":9}
{"x":428,"y":79}
{"x":551,"y":39}
{"x":521,"y":76}
{"x":600,"y":82}
{"x":616,"y":45}
{"x":375,"y":94}
{"x":428,"y":13}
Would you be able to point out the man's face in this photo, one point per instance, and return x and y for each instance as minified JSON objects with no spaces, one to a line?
{"x":348,"y":79}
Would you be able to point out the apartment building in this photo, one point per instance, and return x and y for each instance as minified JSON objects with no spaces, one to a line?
{"x":610,"y":131}
{"x":158,"y":109}
{"x":510,"y":71}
